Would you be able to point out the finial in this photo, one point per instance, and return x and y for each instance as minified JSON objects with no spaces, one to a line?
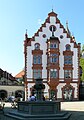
{"x":52,"y":5}
{"x":67,"y":29}
{"x":26,"y":31}
{"x":66,"y":24}
{"x":26,"y":36}
{"x":52,"y":8}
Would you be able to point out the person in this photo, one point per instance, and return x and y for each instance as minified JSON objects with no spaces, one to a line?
{"x":32,"y":98}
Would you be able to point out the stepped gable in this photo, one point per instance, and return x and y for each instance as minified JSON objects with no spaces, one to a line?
{"x":47,"y":20}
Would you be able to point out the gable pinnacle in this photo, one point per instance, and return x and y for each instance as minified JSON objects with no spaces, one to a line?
{"x":26,"y":31}
{"x":26,"y":36}
{"x":67,"y":29}
{"x":52,"y":9}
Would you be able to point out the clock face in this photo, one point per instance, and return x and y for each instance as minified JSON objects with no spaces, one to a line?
{"x":52,"y":28}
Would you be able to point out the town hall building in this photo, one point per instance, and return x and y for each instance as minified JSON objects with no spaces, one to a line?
{"x":52,"y":54}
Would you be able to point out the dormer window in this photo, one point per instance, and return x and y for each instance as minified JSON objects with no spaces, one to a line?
{"x":68,"y":47}
{"x":37,"y":46}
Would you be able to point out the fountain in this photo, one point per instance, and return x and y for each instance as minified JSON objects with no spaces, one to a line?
{"x":39,"y":106}
{"x":39,"y":109}
{"x":39,"y":86}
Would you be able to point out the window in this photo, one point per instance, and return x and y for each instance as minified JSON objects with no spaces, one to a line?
{"x":53,"y":58}
{"x":37,"y":73}
{"x":37,"y":59}
{"x":53,"y":73}
{"x":68,"y":47}
{"x":37,"y":46}
{"x":67,"y":74}
{"x":68,"y":59}
{"x":53,"y":45}
{"x":52,"y":28}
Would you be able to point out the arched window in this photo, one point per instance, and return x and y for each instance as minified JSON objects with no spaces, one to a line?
{"x":52,"y":28}
{"x":37,"y":46}
{"x":68,"y":93}
{"x":68,"y":47}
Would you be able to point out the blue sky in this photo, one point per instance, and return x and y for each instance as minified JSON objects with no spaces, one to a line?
{"x":18,"y":15}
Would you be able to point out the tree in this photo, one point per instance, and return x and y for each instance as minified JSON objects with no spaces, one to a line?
{"x":82,"y":65}
{"x":83,"y":48}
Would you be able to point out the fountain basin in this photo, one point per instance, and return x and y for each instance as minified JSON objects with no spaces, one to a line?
{"x":39,"y":107}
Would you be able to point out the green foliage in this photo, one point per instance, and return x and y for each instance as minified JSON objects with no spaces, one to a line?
{"x":83,"y":48}
{"x":82,"y":65}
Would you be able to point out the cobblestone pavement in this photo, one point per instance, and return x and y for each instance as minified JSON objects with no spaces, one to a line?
{"x":76,"y":108}
{"x":7,"y":108}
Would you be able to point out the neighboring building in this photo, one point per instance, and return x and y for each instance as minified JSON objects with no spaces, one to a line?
{"x":53,"y":55}
{"x":9,"y":86}
{"x":20,"y":77}
{"x":7,"y":78}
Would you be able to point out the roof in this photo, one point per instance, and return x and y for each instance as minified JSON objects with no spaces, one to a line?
{"x":28,"y":41}
{"x":20,"y":74}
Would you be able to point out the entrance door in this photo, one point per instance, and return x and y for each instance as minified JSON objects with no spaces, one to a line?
{"x":68,"y":93}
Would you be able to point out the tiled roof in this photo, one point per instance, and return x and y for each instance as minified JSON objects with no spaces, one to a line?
{"x":20,"y":74}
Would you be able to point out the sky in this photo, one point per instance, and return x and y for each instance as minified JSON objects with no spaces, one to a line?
{"x":18,"y":15}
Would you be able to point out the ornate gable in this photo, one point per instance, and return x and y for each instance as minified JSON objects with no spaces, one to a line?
{"x":44,"y":25}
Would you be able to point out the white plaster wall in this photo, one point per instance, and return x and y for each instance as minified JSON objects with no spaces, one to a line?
{"x":52,"y":20}
{"x":29,"y":86}
{"x":59,"y":87}
{"x":62,"y":45}
{"x":29,"y":62}
{"x":75,"y":90}
{"x":11,"y":89}
{"x":46,"y":92}
{"x":75,"y":64}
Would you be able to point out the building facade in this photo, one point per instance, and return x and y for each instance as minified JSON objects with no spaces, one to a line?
{"x":9,"y":86}
{"x":53,"y":55}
